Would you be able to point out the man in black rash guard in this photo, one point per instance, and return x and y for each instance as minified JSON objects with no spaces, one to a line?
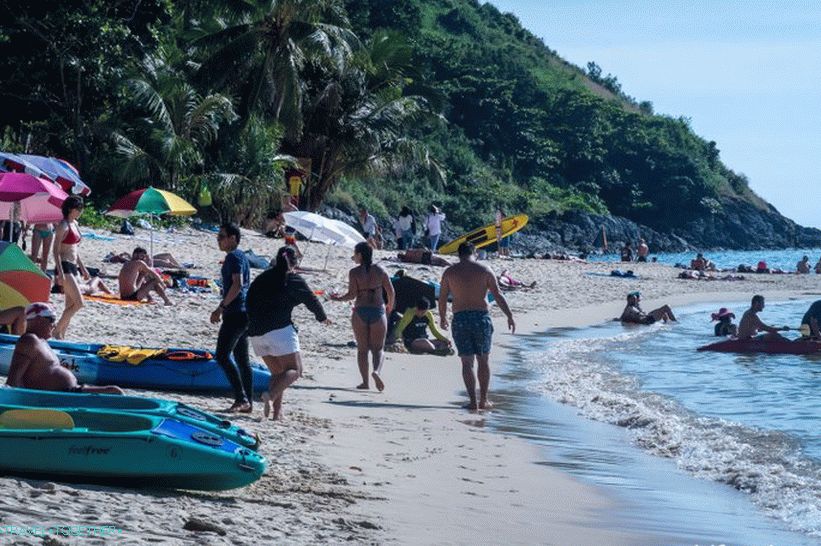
{"x":812,"y":318}
{"x":271,"y":299}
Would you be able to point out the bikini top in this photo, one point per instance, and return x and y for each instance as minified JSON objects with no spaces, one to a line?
{"x":72,"y":236}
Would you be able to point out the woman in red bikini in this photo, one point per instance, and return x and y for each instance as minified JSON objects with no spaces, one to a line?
{"x":67,"y":263}
{"x":370,"y":313}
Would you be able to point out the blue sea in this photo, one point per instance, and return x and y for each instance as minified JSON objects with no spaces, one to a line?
{"x":698,"y":447}
{"x":728,"y":259}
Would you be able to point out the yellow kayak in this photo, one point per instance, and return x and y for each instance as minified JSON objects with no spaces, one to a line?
{"x":485,"y":236}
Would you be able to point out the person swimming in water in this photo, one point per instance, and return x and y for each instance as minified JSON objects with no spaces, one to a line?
{"x":366,"y":283}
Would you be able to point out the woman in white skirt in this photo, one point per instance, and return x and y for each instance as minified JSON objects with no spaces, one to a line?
{"x":271,"y":298}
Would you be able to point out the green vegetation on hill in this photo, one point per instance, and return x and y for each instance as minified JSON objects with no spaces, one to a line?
{"x":396,"y":102}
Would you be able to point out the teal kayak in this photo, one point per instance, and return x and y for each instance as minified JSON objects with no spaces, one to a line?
{"x":94,"y":446}
{"x":11,"y":396}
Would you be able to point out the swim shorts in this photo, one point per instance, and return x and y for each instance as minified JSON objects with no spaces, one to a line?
{"x":649,"y":319}
{"x":69,"y":268}
{"x":129,"y":297}
{"x":472,"y":332}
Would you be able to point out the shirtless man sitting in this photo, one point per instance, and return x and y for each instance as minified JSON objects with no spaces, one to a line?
{"x":137,"y":279}
{"x":750,"y":325}
{"x":634,"y":314}
{"x":34,"y":365}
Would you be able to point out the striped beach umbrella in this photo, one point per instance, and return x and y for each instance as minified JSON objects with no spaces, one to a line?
{"x":151,"y":201}
{"x":21,"y":282}
{"x":63,"y":173}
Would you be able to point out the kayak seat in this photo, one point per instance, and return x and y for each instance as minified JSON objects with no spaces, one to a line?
{"x":36,"y":419}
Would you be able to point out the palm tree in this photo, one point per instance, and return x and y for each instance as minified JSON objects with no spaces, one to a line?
{"x":167,"y":142}
{"x":358,"y":121}
{"x":261,"y":47}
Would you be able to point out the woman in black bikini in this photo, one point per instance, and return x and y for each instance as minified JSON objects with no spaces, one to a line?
{"x":366,"y":282}
{"x":67,"y":263}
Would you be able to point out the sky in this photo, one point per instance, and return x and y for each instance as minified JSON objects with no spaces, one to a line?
{"x":746,"y":74}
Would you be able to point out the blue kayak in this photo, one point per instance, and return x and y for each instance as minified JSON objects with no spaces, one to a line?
{"x":198,"y":374}
{"x":22,"y":398}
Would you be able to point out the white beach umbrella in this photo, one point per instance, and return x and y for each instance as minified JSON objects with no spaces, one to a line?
{"x":323,"y":230}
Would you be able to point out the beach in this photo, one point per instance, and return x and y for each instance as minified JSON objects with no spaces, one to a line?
{"x":405,"y":466}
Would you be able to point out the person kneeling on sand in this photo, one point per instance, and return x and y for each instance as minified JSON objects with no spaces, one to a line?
{"x":633,"y":313}
{"x":138,"y":280}
{"x":750,"y":325}
{"x":34,"y":365}
{"x":271,"y":299}
{"x":413,"y":329}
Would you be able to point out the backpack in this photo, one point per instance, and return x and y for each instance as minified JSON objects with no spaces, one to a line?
{"x":126,"y":228}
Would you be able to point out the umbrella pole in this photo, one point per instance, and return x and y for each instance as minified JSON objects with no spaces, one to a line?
{"x":151,"y":242}
{"x":328,"y":255}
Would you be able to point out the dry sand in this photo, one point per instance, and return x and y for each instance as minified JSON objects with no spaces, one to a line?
{"x":404,"y":466}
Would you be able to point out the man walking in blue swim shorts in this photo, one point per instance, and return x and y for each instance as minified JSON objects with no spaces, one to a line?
{"x":469,"y":283}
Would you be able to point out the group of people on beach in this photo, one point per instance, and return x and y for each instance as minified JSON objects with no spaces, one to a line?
{"x":404,"y":229}
{"x":260,"y":312}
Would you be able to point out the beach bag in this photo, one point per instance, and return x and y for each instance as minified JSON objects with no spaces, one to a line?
{"x":126,"y":228}
{"x":204,"y":197}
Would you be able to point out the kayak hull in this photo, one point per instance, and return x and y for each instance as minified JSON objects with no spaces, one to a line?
{"x":152,"y":373}
{"x":764,"y":346}
{"x":11,"y":396}
{"x":118,"y":448}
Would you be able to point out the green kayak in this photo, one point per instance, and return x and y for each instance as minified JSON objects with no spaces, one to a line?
{"x":12,"y":396}
{"x":119,"y":448}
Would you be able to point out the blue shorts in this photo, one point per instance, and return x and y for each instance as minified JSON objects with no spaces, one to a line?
{"x":472,"y":332}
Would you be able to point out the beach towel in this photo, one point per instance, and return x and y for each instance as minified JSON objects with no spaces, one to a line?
{"x":112,"y":299}
{"x":94,"y":236}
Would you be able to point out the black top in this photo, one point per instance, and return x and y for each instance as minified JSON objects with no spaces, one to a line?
{"x":270,"y":306}
{"x":813,"y":312}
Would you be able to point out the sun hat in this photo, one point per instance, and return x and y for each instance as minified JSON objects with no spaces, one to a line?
{"x":723,"y":312}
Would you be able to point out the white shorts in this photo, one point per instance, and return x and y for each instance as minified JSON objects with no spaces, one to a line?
{"x":284,"y":341}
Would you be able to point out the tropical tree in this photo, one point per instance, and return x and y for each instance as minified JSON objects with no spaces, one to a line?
{"x":260,"y":47}
{"x":358,"y":120}
{"x":174,"y":124}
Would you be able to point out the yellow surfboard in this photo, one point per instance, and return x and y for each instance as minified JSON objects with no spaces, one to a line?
{"x":485,"y":236}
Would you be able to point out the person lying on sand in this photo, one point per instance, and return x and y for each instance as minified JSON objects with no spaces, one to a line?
{"x":14,"y":319}
{"x":422,"y":256}
{"x":506,"y":282}
{"x":750,"y":325}
{"x":34,"y":365}
{"x":163,"y":260}
{"x":138,"y":280}
{"x":94,"y":286}
{"x":633,"y":314}
{"x":413,"y":329}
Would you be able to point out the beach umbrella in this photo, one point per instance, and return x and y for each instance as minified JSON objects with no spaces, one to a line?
{"x":21,"y":282}
{"x":323,"y":230}
{"x":39,"y":199}
{"x":63,"y":173}
{"x":153,"y":202}
{"x":16,"y":163}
